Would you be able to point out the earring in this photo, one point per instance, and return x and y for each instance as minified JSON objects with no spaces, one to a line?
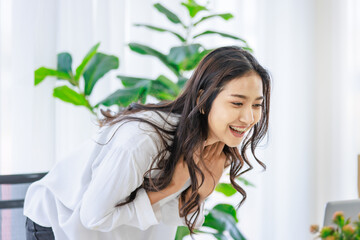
{"x":202,"y":111}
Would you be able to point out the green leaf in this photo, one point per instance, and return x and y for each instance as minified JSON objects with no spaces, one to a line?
{"x":179,"y":54}
{"x":161,"y":95}
{"x":168,"y":84}
{"x":99,"y":65}
{"x":66,"y":94}
{"x":225,"y":188}
{"x":181,"y":38}
{"x":123,"y":97}
{"x":187,"y":57}
{"x":161,"y":88}
{"x":146,"y":50}
{"x":248,"y":49}
{"x":131,"y":81}
{"x":143,"y":93}
{"x":170,"y":15}
{"x":64,"y":62}
{"x":193,"y":61}
{"x":246,"y":182}
{"x":216,"y":223}
{"x":219,"y":236}
{"x":159,"y":91}
{"x":221,"y":34}
{"x":193,"y":7}
{"x":181,"y":232}
{"x":222,"y":221}
{"x":42,"y":73}
{"x":225,"y":16}
{"x":227,"y":208}
{"x":181,"y":81}
{"x":81,"y":68}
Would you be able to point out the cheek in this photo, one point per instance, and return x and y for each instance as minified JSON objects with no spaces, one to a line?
{"x":223,"y":116}
{"x":219,"y":119}
{"x":257,"y":116}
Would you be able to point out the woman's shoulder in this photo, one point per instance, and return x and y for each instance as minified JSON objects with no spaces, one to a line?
{"x":133,"y":134}
{"x":161,"y":119}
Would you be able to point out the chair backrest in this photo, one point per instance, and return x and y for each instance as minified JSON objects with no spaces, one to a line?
{"x":12,"y":193}
{"x":351,"y":209}
{"x":358,"y":183}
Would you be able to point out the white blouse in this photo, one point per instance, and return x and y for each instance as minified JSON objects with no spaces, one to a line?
{"x":77,"y":198}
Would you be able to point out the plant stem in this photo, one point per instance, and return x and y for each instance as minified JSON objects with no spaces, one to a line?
{"x":88,"y":105}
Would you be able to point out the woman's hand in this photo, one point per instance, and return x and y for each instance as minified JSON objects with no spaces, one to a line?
{"x":212,"y":167}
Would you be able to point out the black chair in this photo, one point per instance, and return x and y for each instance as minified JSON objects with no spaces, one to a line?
{"x":12,"y":193}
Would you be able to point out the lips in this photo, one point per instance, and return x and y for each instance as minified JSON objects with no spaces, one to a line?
{"x":236,"y":133}
{"x":237,"y":129}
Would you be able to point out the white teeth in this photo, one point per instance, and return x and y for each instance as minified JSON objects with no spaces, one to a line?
{"x":238,"y":129}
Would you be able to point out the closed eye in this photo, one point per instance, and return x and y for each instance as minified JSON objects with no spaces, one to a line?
{"x":237,"y":103}
{"x":255,"y":105}
{"x":259,"y":105}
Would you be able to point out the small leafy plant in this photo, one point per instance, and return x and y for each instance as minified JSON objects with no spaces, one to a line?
{"x":344,"y":230}
{"x":93,"y":67}
{"x":181,"y":58}
{"x":221,"y":220}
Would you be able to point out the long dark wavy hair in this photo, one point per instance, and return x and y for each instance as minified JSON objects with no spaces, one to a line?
{"x":214,"y":71}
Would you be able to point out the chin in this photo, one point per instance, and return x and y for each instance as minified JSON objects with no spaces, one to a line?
{"x":232,"y":144}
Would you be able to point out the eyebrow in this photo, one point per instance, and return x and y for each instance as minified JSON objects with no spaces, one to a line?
{"x":245,"y":97}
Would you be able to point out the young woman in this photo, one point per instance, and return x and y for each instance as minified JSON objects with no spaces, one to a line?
{"x":151,"y":166}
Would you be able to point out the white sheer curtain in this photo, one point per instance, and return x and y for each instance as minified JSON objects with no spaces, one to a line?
{"x":308,"y":46}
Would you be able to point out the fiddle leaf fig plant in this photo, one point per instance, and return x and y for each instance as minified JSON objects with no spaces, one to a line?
{"x":180,"y":60}
{"x":185,"y":55}
{"x":92,"y":68}
{"x":221,"y":218}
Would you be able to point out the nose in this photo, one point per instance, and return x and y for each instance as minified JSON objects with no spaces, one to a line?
{"x":247,"y":116}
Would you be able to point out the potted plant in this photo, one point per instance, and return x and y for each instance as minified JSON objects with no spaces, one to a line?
{"x":343,"y":230}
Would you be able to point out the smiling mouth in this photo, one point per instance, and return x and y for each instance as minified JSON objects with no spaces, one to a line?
{"x":238,"y":130}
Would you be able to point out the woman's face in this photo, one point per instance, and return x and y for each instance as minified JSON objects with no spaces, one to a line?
{"x":235,"y":110}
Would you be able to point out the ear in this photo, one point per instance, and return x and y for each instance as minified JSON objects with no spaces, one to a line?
{"x":197,"y":101}
{"x":199,"y":95}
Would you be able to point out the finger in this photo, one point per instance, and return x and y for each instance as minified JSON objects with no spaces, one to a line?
{"x":214,"y":149}
{"x":209,"y":151}
{"x":196,"y":154}
{"x":219,"y":148}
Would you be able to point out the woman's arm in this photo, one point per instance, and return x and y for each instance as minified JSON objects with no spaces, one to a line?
{"x":157,"y":196}
{"x":120,"y":171}
{"x":181,"y":175}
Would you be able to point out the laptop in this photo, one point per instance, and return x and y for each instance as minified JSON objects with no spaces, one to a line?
{"x":351,"y":209}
